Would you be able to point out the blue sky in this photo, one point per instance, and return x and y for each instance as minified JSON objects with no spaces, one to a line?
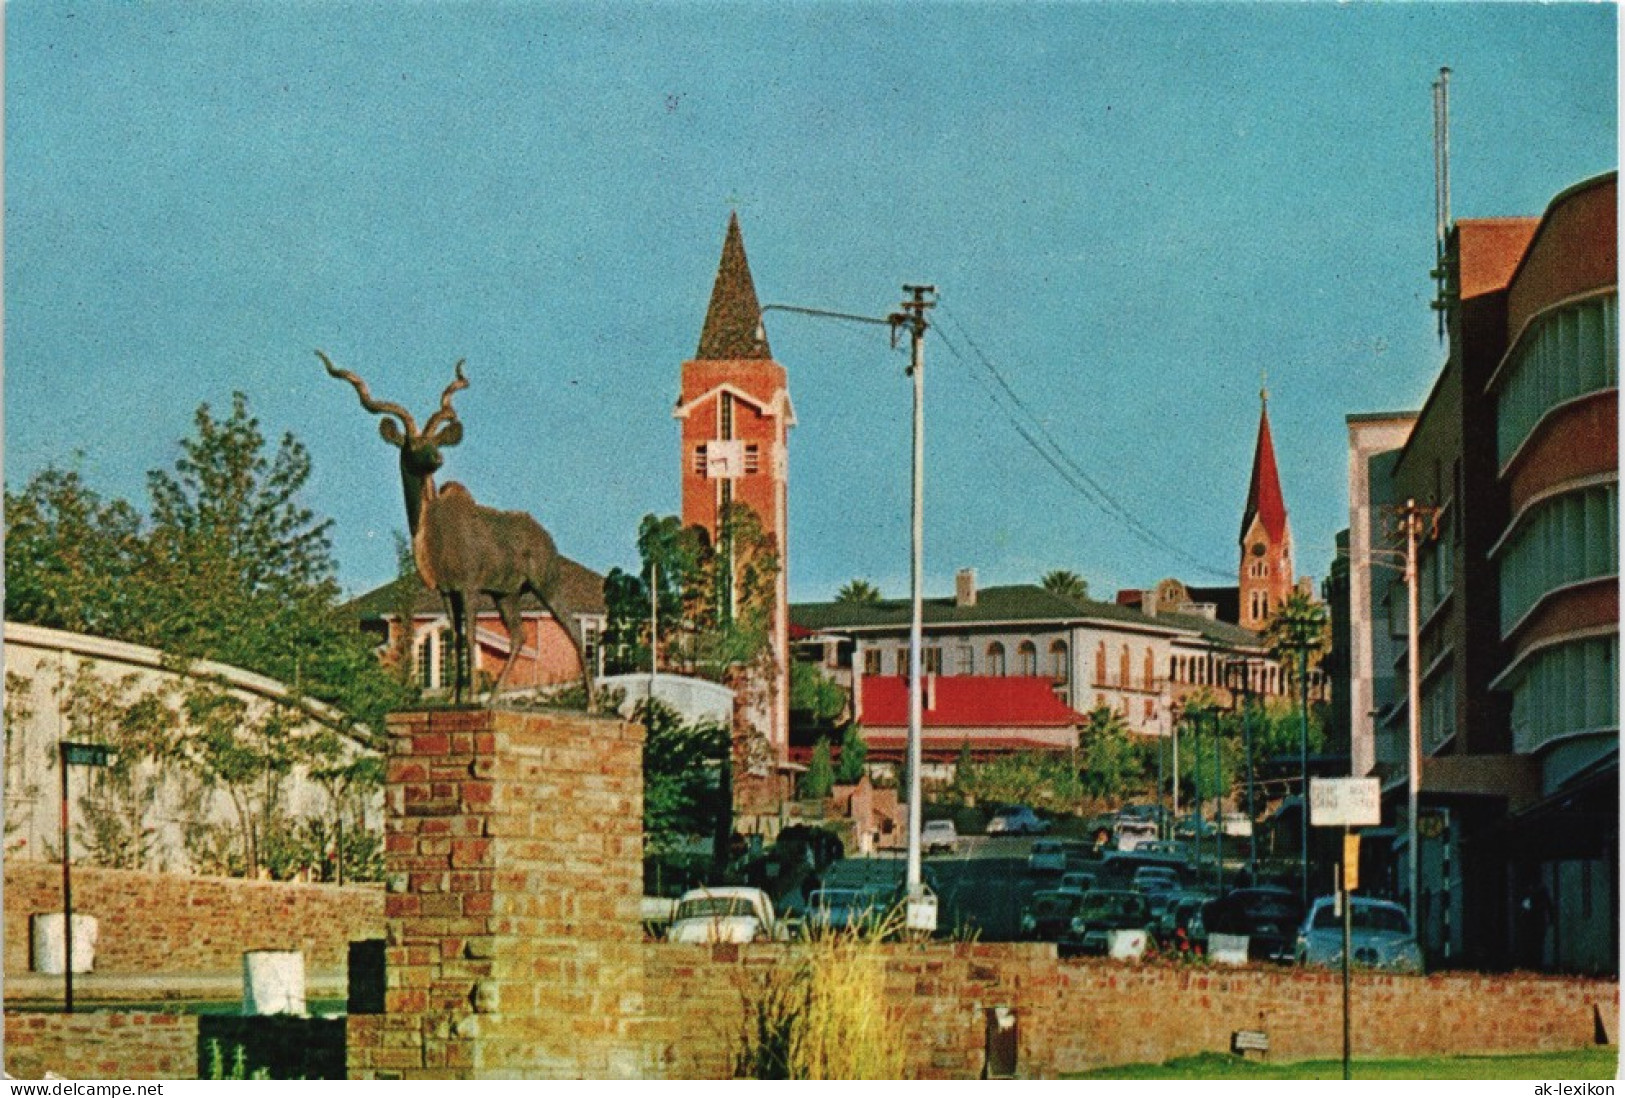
{"x":1131,"y":211}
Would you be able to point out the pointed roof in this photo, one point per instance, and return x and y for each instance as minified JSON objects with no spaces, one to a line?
{"x":733,"y":320}
{"x":1264,"y":498}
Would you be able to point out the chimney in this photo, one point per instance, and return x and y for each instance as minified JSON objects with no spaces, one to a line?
{"x":965,"y":587}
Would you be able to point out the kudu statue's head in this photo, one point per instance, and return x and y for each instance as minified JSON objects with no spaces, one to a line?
{"x":420,"y":450}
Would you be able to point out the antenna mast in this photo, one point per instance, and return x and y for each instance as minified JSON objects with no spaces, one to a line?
{"x":1441,"y":193}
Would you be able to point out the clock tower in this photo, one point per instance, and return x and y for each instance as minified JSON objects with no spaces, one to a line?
{"x":735,"y":416}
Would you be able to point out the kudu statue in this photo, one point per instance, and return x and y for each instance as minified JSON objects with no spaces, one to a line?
{"x":463,"y":549}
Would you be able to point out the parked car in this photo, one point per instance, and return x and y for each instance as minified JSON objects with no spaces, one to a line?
{"x":724,"y":913}
{"x":1076,"y":882}
{"x":1180,"y":914}
{"x":1047,"y":856}
{"x":849,"y":908}
{"x":1380,"y":936}
{"x":1016,"y":820}
{"x":1268,"y":917}
{"x":1130,"y":833}
{"x":1172,"y":848}
{"x":1101,"y":912}
{"x":1156,"y":878}
{"x":939,"y":836}
{"x":1045,"y":917}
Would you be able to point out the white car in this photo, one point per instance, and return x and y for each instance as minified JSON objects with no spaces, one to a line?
{"x":1380,"y":936}
{"x":939,"y":835}
{"x":726,"y":913}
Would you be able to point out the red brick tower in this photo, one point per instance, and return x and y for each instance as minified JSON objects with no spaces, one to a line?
{"x":736,"y":419}
{"x":1266,"y":540}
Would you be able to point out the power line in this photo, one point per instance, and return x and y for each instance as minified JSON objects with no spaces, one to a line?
{"x":1055,"y":455}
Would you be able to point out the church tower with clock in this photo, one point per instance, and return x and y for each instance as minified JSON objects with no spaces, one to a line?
{"x":735,"y":416}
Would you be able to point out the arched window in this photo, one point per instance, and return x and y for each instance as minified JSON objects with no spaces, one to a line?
{"x":1027,"y":659}
{"x":1060,"y":668}
{"x":1150,"y":670}
{"x":1123,"y":667}
{"x":995,"y":659}
{"x":1100,"y":664}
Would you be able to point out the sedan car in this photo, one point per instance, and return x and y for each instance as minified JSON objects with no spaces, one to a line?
{"x":939,"y":836}
{"x":1381,"y":936}
{"x":1267,"y":917}
{"x":1047,"y":915}
{"x":1047,"y":856}
{"x":1101,"y":912}
{"x":1016,"y":820}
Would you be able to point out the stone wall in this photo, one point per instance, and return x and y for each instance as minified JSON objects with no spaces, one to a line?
{"x":513,"y":846}
{"x":101,"y":1046}
{"x":177,"y":924}
{"x":1075,"y":1016}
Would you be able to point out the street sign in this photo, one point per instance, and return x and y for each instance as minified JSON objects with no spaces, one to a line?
{"x":1351,"y":862}
{"x":1345,"y":802}
{"x":86,"y":754}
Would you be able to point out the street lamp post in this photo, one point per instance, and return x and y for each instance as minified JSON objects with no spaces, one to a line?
{"x":72,"y":754}
{"x":1218,"y":804}
{"x":1303,"y":768}
{"x":910,"y":315}
{"x":1241,"y":679}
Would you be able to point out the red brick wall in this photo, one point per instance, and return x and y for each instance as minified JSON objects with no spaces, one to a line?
{"x":1076,"y":1016}
{"x":514,"y":854}
{"x":102,"y":1046}
{"x":152,"y":922}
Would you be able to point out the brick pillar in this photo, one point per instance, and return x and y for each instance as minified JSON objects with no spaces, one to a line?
{"x":514,"y":852}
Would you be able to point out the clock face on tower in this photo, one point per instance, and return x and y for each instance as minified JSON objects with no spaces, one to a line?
{"x":724,"y":459}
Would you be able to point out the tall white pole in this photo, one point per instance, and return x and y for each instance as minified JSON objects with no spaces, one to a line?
{"x":916,"y":311}
{"x":1413,"y":659}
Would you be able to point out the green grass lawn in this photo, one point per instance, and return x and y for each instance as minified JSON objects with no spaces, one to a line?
{"x":1591,"y":1063}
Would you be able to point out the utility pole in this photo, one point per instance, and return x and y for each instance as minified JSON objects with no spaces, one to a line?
{"x":1412,"y":518}
{"x":912,"y":316}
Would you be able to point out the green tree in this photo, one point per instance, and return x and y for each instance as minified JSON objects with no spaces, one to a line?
{"x":858,"y":592}
{"x":71,"y":556}
{"x":820,"y":776}
{"x":1299,"y":635}
{"x":228,"y":565}
{"x":854,"y":755}
{"x":682,"y":776}
{"x":715,"y":603}
{"x":1066,"y":583}
{"x":1112,"y":763}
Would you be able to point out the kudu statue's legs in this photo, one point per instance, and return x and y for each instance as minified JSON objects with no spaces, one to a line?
{"x":508,"y":607}
{"x":570,"y":623}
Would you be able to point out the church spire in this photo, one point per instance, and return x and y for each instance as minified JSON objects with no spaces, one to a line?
{"x":733,"y":322}
{"x":1264,"y":499}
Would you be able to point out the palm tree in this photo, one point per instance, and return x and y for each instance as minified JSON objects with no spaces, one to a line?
{"x":1299,"y":634}
{"x":858,"y":592}
{"x":1067,"y":584}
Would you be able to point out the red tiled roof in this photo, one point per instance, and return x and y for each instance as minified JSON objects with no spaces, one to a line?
{"x":969,"y":701}
{"x":1264,"y":495}
{"x":1490,"y":249}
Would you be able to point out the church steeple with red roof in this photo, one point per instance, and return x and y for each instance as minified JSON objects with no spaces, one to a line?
{"x":1266,"y":540}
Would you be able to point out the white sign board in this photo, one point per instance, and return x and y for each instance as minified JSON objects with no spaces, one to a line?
{"x":1345,"y":802}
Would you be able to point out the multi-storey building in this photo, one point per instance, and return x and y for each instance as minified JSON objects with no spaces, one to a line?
{"x":1511,"y":465}
{"x":1555,"y":399}
{"x":1135,"y":662}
